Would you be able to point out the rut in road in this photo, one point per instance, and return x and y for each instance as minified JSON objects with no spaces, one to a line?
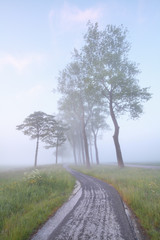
{"x":99,"y":214}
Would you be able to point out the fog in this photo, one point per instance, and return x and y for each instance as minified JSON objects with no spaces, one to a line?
{"x":36,"y":43}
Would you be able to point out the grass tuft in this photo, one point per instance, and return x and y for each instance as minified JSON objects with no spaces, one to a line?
{"x":28,"y":198}
{"x":139,"y":188}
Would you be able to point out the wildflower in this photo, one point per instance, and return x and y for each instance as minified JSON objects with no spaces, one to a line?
{"x":33,"y":177}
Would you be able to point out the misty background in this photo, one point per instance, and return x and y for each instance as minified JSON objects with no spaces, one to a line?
{"x":36,"y":41}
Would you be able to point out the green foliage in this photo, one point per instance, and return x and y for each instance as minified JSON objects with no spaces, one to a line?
{"x":44,"y":127}
{"x":139,"y":188}
{"x":56,"y":134}
{"x":34,"y":177}
{"x":28,"y":198}
{"x":34,"y":125}
{"x":101,"y":76}
{"x":112,"y":75}
{"x":110,"y":71}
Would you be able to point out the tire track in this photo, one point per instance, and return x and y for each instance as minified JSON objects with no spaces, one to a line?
{"x":99,"y":214}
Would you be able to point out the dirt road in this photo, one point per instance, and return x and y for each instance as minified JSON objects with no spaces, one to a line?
{"x":98,"y":214}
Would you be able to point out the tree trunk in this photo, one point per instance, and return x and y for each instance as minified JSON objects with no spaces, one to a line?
{"x":36,"y":154}
{"x":90,"y":150}
{"x":74,"y":152}
{"x":86,"y":148}
{"x":115,"y":136}
{"x":96,"y":149}
{"x":57,"y":152}
{"x":85,"y":143}
{"x":82,"y":147}
{"x":79,"y":148}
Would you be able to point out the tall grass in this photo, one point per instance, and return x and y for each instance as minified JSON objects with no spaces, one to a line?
{"x":28,"y":198}
{"x":139,"y":188}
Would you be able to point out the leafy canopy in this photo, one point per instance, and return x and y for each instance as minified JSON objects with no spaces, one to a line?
{"x":35,"y":125}
{"x":110,"y":71}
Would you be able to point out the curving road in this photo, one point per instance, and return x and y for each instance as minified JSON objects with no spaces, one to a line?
{"x":97,"y":214}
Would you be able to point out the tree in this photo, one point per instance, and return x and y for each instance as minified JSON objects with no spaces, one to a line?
{"x":71,"y":111}
{"x":72,"y":86}
{"x":97,"y":123}
{"x":55,"y":136}
{"x":35,"y":127}
{"x":78,"y":103}
{"x":113,"y":76}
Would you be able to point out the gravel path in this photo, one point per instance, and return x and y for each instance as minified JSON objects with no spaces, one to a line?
{"x":97,"y":213}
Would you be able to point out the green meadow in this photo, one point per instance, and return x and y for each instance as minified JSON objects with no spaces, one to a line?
{"x":28,"y":198}
{"x":139,"y":188}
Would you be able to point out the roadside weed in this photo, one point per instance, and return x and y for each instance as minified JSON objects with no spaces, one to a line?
{"x":28,"y":199}
{"x":139,"y":188}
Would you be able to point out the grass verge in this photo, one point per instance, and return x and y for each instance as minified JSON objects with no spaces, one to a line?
{"x":139,"y":188}
{"x":28,"y":198}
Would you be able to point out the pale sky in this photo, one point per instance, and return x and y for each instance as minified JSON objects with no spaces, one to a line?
{"x":36,"y":41}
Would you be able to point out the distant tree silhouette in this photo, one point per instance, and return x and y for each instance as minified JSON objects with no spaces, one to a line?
{"x":55,"y":136}
{"x":35,"y":126}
